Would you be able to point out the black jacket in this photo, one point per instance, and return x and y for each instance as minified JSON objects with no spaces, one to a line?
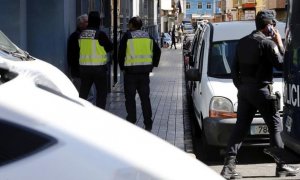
{"x":256,"y":55}
{"x":138,"y":69}
{"x":72,"y":53}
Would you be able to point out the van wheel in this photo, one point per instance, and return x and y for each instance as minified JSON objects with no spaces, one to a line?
{"x":206,"y":151}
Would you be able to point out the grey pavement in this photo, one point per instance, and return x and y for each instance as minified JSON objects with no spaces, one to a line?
{"x":167,"y":99}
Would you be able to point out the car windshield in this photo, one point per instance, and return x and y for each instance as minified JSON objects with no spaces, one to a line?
{"x":9,"y":47}
{"x":188,"y":27}
{"x":6,"y":44}
{"x":221,"y":57}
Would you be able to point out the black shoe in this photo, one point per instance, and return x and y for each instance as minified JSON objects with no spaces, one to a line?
{"x":148,"y":127}
{"x":283,"y":170}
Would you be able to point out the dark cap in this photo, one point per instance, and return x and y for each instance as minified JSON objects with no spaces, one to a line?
{"x":94,"y":19}
{"x":264,"y":18}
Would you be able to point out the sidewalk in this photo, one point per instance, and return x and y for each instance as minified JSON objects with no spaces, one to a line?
{"x":168,"y":100}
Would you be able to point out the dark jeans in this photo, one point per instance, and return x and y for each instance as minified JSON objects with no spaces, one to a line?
{"x":173,"y":43}
{"x":139,"y":83}
{"x":98,"y":76}
{"x":250,"y":99}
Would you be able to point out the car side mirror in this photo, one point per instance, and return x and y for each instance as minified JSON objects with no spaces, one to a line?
{"x":193,"y":75}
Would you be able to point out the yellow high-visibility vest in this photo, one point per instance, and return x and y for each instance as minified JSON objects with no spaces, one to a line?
{"x":139,"y":50}
{"x":91,"y":52}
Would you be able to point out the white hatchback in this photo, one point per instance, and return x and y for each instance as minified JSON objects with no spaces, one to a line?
{"x":42,"y":73}
{"x":213,"y":93}
{"x":45,"y":135}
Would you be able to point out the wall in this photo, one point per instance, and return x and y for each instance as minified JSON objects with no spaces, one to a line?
{"x":11,"y":22}
{"x":40,"y":27}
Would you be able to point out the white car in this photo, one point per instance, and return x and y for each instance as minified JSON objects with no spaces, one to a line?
{"x":41,"y":72}
{"x":46,"y":135}
{"x":213,"y":93}
{"x":188,"y":29}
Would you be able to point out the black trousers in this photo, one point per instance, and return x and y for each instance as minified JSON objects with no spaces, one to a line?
{"x":137,"y":83}
{"x":250,"y":99}
{"x":98,"y":76}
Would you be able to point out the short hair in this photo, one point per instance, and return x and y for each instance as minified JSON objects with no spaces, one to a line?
{"x":80,"y":19}
{"x":136,"y":22}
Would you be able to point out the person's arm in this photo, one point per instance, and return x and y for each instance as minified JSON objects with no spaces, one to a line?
{"x":73,"y":53}
{"x":278,"y":40}
{"x":122,"y":51}
{"x":275,"y":55}
{"x":105,"y":42}
{"x":156,"y":53}
{"x":235,"y":72}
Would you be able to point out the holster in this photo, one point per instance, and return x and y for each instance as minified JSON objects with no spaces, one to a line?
{"x":274,"y":98}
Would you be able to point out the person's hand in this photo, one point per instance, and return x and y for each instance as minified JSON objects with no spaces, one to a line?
{"x":277,"y":37}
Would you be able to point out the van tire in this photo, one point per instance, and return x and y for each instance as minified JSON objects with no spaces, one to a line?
{"x":206,"y":151}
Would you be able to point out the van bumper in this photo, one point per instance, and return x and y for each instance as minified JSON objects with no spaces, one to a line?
{"x":218,"y":131}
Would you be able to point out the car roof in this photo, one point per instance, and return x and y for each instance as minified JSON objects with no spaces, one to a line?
{"x":234,"y":30}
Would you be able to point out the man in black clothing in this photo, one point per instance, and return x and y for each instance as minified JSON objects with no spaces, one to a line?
{"x":138,"y":54}
{"x":252,"y":73}
{"x":173,"y":37}
{"x":72,"y":55}
{"x":93,"y":47}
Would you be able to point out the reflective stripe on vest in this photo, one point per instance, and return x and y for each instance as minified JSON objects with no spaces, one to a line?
{"x":91,"y":52}
{"x":139,"y":52}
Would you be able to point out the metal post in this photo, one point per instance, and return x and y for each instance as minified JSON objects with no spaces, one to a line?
{"x":115,"y":42}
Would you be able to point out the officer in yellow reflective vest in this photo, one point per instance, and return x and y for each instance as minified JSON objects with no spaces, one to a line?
{"x":138,"y":54}
{"x":93,"y":48}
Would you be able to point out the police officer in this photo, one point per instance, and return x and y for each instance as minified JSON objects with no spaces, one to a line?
{"x":94,"y":46}
{"x":72,"y":48}
{"x":252,"y":72}
{"x":138,"y":54}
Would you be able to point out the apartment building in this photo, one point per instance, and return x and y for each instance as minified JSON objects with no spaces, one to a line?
{"x":203,"y":9}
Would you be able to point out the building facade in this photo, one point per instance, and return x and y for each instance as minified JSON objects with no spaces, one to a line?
{"x":247,"y":9}
{"x":202,"y":9}
{"x":42,"y":27}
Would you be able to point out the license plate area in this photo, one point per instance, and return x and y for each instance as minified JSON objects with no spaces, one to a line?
{"x":259,"y":129}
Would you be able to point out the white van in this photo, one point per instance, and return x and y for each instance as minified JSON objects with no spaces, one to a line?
{"x":213,"y":93}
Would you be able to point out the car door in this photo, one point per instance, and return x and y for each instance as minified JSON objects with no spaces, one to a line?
{"x":201,"y":54}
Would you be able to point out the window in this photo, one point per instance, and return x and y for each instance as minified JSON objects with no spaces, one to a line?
{"x":188,"y":5}
{"x":221,"y":58}
{"x":200,"y":5}
{"x":18,"y":141}
{"x":208,"y":5}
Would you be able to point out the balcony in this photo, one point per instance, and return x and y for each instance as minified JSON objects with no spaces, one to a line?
{"x":248,"y":4}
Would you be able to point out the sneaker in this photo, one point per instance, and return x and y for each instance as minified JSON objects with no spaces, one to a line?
{"x":228,"y":171}
{"x":283,"y":170}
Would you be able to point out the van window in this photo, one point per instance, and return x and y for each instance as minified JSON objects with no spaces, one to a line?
{"x":221,"y":58}
{"x":18,"y":142}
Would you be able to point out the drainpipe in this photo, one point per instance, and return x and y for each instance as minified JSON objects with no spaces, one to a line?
{"x":115,"y":41}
